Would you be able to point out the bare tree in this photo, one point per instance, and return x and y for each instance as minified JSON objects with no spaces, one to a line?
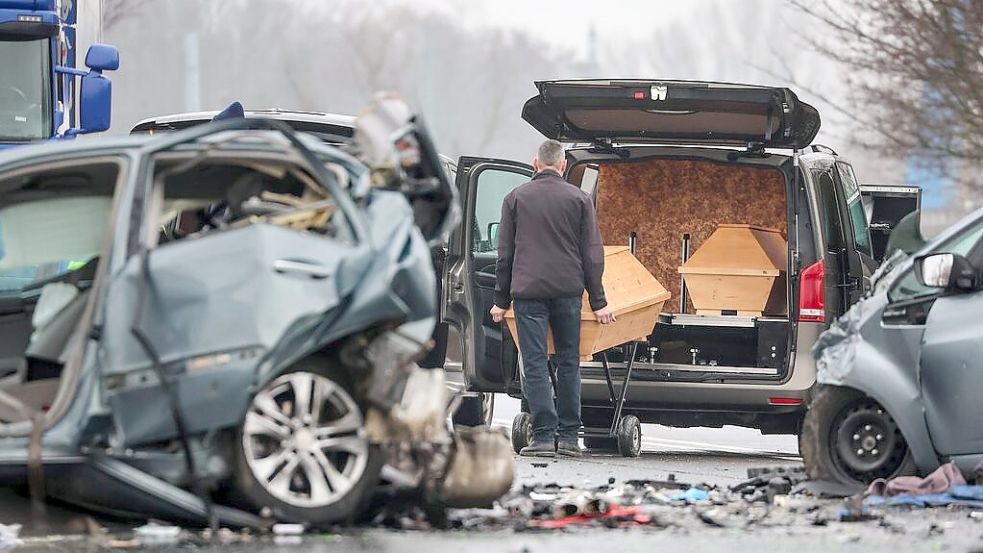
{"x":916,"y":68}
{"x":115,"y":11}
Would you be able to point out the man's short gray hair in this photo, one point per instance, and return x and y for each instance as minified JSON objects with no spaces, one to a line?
{"x":550,"y":154}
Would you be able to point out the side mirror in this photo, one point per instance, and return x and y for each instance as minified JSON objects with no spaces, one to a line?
{"x":493,"y":234}
{"x":906,"y":235}
{"x":946,"y":270}
{"x":96,"y":90}
{"x":102,"y":57}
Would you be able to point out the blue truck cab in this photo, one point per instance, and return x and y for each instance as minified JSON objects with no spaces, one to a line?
{"x":40,"y":98}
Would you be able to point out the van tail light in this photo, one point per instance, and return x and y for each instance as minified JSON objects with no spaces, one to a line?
{"x":812,"y":293}
{"x":785,"y":401}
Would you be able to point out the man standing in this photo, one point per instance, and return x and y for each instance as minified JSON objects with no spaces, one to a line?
{"x":549,"y":251}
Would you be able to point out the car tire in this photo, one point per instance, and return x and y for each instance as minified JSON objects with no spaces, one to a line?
{"x":849,"y":438}
{"x":278,"y":434}
{"x":476,"y":410}
{"x":521,"y":431}
{"x":629,"y":436}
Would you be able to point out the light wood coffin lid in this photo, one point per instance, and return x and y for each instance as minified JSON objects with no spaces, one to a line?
{"x":744,"y":250}
{"x":628,"y":285}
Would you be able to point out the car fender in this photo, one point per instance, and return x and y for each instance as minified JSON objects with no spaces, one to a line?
{"x":895,"y":389}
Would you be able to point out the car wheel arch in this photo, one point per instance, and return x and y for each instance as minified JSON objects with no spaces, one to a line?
{"x":910,"y":420}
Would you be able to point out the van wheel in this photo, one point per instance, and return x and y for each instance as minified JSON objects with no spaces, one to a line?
{"x":475,"y":411}
{"x":521,"y":431}
{"x":848,"y":437}
{"x":301,"y":449}
{"x":629,"y":436}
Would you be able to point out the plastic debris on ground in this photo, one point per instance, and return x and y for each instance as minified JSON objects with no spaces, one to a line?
{"x":774,"y":497}
{"x":154,"y":534}
{"x":766,"y":498}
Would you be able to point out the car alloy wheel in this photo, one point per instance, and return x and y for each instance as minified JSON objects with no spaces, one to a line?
{"x":303,"y":440}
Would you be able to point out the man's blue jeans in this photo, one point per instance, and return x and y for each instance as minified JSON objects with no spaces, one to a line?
{"x":534,"y":318}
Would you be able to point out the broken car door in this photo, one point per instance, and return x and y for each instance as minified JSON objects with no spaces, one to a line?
{"x":490,"y":356}
{"x":227,"y":265}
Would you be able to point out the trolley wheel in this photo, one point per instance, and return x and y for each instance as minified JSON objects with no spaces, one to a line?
{"x":629,"y":436}
{"x":521,"y":431}
{"x":595,"y":443}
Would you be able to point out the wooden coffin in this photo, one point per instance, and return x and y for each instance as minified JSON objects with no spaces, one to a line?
{"x":736,"y":270}
{"x":633,"y":294}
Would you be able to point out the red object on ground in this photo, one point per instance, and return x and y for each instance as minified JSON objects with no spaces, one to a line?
{"x":624,"y":516}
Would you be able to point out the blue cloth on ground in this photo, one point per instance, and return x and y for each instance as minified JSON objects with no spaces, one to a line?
{"x":692,"y":494}
{"x":962,"y":495}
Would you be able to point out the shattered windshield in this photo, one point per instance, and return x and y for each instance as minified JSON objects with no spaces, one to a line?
{"x":25,"y":112}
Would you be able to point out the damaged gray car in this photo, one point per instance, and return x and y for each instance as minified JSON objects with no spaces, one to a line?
{"x":901,"y":371}
{"x":220,"y":325}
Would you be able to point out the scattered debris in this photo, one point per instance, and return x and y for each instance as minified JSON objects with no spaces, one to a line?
{"x":939,"y":481}
{"x":155,"y":534}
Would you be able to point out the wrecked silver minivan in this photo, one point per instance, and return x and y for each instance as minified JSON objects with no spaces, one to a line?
{"x":219,"y":325}
{"x":901,"y":370}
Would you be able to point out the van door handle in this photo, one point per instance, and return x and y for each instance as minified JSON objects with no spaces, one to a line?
{"x":312,"y":270}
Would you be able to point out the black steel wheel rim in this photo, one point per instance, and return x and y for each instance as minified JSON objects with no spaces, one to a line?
{"x":866,"y":443}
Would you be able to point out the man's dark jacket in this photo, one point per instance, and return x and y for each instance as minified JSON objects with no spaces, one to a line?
{"x":549,"y":245}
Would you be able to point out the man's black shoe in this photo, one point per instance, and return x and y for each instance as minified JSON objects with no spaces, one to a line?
{"x":538,"y":450}
{"x":570,"y":449}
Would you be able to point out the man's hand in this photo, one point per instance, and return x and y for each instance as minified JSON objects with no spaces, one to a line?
{"x":604,"y":315}
{"x":497,"y":313}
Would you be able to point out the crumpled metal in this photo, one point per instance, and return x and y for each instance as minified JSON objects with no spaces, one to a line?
{"x":836,"y":349}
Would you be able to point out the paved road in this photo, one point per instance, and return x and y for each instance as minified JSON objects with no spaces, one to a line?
{"x":712,"y":455}
{"x":716,"y":456}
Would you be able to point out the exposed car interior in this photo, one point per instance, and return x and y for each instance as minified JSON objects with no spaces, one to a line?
{"x":199,"y":196}
{"x":53,"y":225}
{"x":667,"y":208}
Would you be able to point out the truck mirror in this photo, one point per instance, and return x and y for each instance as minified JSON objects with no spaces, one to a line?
{"x":95,"y":103}
{"x":96,"y":90}
{"x":102,"y":57}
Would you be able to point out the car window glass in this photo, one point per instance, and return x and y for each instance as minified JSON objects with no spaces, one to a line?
{"x":907,"y":286}
{"x":831,"y":224}
{"x":53,"y":223}
{"x":589,"y":181}
{"x":858,"y":216}
{"x":493,"y":186}
{"x":24,"y":83}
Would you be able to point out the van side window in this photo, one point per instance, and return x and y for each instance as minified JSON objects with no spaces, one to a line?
{"x":858,"y":217}
{"x":589,"y":181}
{"x":831,"y":224}
{"x":493,"y":186}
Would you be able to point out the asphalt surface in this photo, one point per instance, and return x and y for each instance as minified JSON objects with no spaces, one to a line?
{"x":719,"y":456}
{"x":715,"y":456}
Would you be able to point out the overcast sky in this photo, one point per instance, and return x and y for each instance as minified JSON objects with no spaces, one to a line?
{"x":568,"y":22}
